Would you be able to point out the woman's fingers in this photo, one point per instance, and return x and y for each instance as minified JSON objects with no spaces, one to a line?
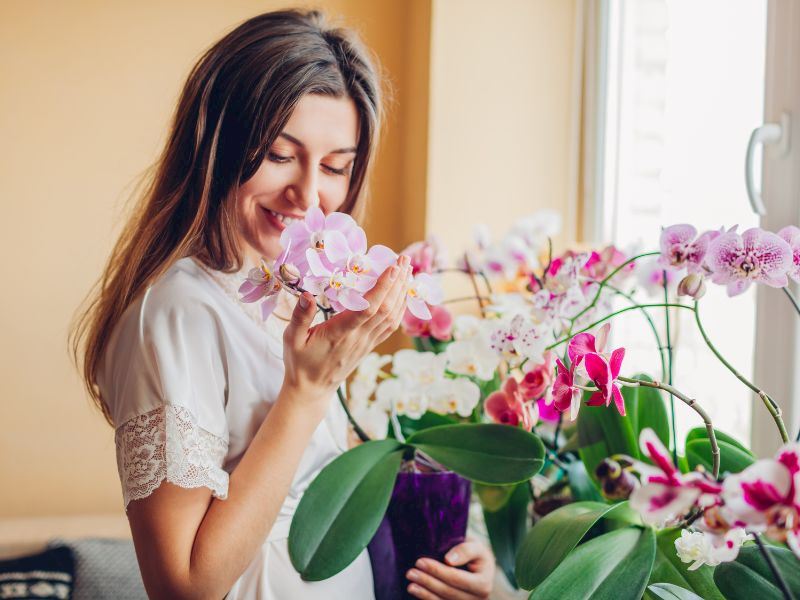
{"x":435,"y":586}
{"x":296,"y":332}
{"x":467,"y":552}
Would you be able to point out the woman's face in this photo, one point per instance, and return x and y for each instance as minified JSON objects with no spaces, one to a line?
{"x":309,"y":164}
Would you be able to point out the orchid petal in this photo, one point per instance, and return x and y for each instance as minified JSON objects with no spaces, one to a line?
{"x":268,"y":306}
{"x":315,"y":219}
{"x":418,"y":308}
{"x":315,"y":263}
{"x":336,"y":248}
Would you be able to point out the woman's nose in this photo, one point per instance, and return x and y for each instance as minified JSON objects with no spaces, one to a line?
{"x":304,"y":193}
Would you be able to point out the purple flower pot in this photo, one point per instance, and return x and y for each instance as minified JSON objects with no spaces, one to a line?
{"x":427,"y":516}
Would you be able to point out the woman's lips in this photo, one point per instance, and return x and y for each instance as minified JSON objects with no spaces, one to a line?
{"x":273,"y":220}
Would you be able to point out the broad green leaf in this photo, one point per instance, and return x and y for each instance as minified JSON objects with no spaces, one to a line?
{"x":493,"y":497}
{"x":749,"y":577}
{"x":731,"y":458}
{"x":669,"y":591}
{"x":429,"y":344}
{"x":614,"y":566}
{"x":582,"y":486}
{"x":506,"y":528}
{"x":483,"y":452}
{"x":555,"y":536}
{"x":603,"y":432}
{"x":428,"y":419}
{"x":700,"y":433}
{"x":647,"y":408}
{"x":668,"y":568}
{"x":342,"y":508}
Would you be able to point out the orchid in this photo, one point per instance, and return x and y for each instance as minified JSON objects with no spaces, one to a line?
{"x":263,"y":282}
{"x":439,"y":326}
{"x":518,"y":340}
{"x":537,"y":378}
{"x":508,"y":406}
{"x":459,"y":396}
{"x":682,"y":247}
{"x":418,"y":367}
{"x":700,"y":548}
{"x":422,"y":291}
{"x":766,"y":497}
{"x":666,"y":494}
{"x":365,"y":380}
{"x":472,"y":357}
{"x":566,"y":394}
{"x":651,"y":276}
{"x":312,"y":231}
{"x":604,"y":372}
{"x":426,"y":256}
{"x":754,"y":256}
{"x":791,"y":235}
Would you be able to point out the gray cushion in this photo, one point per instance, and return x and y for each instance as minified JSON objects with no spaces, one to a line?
{"x":105,"y":568}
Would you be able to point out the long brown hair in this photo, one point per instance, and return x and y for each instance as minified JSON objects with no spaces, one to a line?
{"x":235,"y":102}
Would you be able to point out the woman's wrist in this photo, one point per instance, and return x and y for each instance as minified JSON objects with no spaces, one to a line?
{"x":305,"y":397}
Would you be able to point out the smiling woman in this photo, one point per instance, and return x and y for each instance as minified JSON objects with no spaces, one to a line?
{"x":221,"y":420}
{"x":310,"y":166}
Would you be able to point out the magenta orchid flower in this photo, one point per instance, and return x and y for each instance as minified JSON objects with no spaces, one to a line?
{"x":426,"y":256}
{"x":507,"y":406}
{"x":439,"y":327}
{"x":791,"y":235}
{"x":766,"y":497}
{"x":263,"y":282}
{"x":754,"y":256}
{"x":604,"y":372}
{"x":681,"y":247}
{"x":537,"y":379}
{"x":566,"y":394}
{"x":666,"y":494}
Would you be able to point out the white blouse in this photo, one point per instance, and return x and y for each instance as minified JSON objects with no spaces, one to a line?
{"x":189,"y":374}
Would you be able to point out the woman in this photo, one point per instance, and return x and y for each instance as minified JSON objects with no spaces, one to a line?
{"x":222,"y":419}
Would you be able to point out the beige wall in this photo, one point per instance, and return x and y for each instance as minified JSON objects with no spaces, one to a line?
{"x":477,"y":133}
{"x":88,"y":89}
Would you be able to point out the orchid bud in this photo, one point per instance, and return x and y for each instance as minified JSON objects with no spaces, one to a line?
{"x":693,"y":285}
{"x":290,"y":274}
{"x":616,"y":479}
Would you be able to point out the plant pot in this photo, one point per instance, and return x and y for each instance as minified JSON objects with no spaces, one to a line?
{"x":427,"y":516}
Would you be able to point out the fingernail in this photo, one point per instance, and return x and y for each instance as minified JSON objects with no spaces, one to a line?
{"x":421,"y":563}
{"x":412,"y":575}
{"x":304,"y":302}
{"x":393,"y":272}
{"x":452,"y":557}
{"x":414,"y":589}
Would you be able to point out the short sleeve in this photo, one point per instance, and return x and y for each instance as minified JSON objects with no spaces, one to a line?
{"x":164,"y":380}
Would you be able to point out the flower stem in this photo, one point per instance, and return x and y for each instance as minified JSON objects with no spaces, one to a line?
{"x":771,"y":405}
{"x":669,"y":369}
{"x":471,"y":274}
{"x":607,"y":279}
{"x":569,"y":336}
{"x":792,"y":299}
{"x":787,"y":593}
{"x":691,"y":403}
{"x":362,"y":435}
{"x":465,"y":299}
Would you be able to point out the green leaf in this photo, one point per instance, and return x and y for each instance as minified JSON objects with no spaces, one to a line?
{"x":506,"y":528}
{"x":603,"y":432}
{"x":429,"y":344}
{"x":493,"y":497}
{"x":668,"y":568}
{"x":342,"y":508}
{"x":647,"y":408}
{"x":483,"y":452}
{"x":555,"y":536}
{"x":700,"y":433}
{"x":731,"y":458}
{"x":614,"y":566}
{"x":669,"y":591}
{"x":581,"y":485}
{"x":749,"y":577}
{"x":410,"y":426}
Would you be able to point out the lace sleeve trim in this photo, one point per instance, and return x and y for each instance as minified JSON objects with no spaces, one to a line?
{"x":166,"y":443}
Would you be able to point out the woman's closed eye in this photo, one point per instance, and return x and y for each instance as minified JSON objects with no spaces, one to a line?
{"x":281,"y":159}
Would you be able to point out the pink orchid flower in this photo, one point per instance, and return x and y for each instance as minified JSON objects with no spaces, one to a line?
{"x":423,"y":291}
{"x":604,"y":372}
{"x":263,"y":282}
{"x":791,"y":235}
{"x":440,"y":325}
{"x":508,"y":406}
{"x":547,"y":412}
{"x":537,"y":379}
{"x":666,"y":494}
{"x":426,"y":256}
{"x":566,"y":394}
{"x":349,"y":253}
{"x":766,"y":497}
{"x":681,"y":247}
{"x":601,"y":264}
{"x":311,"y":233}
{"x":756,"y":255}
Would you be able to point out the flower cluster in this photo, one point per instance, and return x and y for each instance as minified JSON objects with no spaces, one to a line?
{"x":763,"y":498}
{"x":731,"y":259}
{"x":328,"y":256}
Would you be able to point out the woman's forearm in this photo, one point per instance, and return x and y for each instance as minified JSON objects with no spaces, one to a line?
{"x":233,"y":529}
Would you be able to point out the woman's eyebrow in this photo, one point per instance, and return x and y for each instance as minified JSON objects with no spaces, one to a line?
{"x":294,"y":140}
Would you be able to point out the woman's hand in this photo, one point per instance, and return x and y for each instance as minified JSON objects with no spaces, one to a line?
{"x":319,"y":358}
{"x":432,"y":580}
